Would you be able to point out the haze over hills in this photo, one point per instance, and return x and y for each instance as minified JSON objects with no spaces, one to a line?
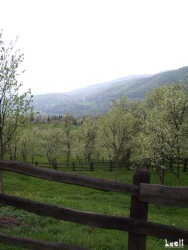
{"x":96,"y":99}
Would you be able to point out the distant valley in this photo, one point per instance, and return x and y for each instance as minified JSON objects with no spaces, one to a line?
{"x":96,"y":99}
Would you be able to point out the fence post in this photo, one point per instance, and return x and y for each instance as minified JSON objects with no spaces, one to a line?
{"x":138,"y":210}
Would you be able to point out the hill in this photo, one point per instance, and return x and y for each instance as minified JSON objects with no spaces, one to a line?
{"x":96,"y":99}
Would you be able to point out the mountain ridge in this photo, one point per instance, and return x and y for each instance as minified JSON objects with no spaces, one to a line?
{"x":96,"y":99}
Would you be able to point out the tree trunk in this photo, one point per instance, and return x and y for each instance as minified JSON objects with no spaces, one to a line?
{"x":171,"y":164}
{"x":54,"y":164}
{"x":1,"y":182}
{"x":117,"y":169}
{"x":1,"y":157}
{"x":89,"y":159}
{"x":1,"y":171}
{"x":127,"y":160}
{"x":68,"y":154}
{"x":15,"y":153}
{"x":1,"y":143}
{"x":178,"y":167}
{"x":161,"y":173}
{"x":178,"y":173}
{"x":185,"y":165}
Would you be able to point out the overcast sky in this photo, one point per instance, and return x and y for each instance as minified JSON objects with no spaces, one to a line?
{"x":73,"y":43}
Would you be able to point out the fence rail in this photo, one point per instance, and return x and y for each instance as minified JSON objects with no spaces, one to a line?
{"x":136,"y":225}
{"x":36,"y":244}
{"x":164,"y":195}
{"x":69,"y":178}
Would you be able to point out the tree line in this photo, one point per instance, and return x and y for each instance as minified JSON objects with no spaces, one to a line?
{"x":149,"y":132}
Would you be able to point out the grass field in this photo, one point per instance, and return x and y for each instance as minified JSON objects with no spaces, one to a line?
{"x":80,"y":198}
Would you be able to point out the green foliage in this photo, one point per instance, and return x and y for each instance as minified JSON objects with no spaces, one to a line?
{"x":84,"y":140}
{"x":116,"y":131}
{"x":162,"y":136}
{"x":15,"y":108}
{"x":153,"y":132}
{"x":23,"y":146}
{"x":51,"y":143}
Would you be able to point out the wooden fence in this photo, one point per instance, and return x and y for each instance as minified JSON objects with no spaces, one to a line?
{"x":103,"y":165}
{"x":75,"y":166}
{"x":136,"y":225}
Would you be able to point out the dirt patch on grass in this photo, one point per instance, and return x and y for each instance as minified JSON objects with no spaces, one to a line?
{"x":7,"y":222}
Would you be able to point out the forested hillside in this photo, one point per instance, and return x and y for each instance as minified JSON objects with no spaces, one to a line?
{"x":96,"y":99}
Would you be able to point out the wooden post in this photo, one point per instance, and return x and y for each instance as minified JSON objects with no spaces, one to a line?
{"x":138,"y":210}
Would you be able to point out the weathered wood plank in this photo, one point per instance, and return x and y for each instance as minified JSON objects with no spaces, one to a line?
{"x":35,"y":244}
{"x":70,"y":178}
{"x":138,"y":210}
{"x":97,"y":220}
{"x":164,"y":195}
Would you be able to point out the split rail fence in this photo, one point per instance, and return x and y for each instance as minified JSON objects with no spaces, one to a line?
{"x":138,"y":228}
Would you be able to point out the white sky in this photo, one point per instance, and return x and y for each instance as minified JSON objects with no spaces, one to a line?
{"x":73,"y":43}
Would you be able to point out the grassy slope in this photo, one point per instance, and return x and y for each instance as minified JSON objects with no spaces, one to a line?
{"x":44,"y":228}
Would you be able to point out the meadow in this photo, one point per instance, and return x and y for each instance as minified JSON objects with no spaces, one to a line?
{"x":80,"y":198}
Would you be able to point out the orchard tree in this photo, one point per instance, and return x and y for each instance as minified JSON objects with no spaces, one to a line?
{"x":12,"y":149}
{"x":51,"y":143}
{"x":27,"y":144}
{"x":88,"y":131}
{"x":68,"y":121}
{"x":15,"y":107}
{"x":116,"y":131}
{"x":166,"y":108}
{"x":23,"y":145}
{"x":78,"y":149}
{"x":155,"y":143}
{"x":84,"y":141}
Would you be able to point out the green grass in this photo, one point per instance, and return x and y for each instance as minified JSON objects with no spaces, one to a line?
{"x":80,"y":198}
